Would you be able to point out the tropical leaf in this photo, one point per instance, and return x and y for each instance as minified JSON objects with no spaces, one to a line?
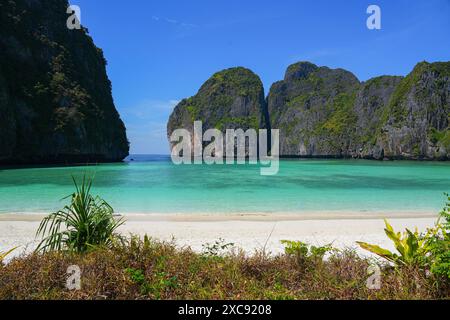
{"x":409,"y":245}
{"x":384,"y":253}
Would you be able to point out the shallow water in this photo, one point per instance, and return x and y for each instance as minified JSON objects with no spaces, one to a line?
{"x":152,"y":184}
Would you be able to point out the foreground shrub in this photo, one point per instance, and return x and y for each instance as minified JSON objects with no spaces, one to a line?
{"x":305,"y":253}
{"x":147,"y":269}
{"x":410,"y":245}
{"x":439,"y":244}
{"x":87,"y":222}
{"x":429,"y":251}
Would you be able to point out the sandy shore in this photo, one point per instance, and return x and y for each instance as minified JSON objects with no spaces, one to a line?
{"x":249,"y":232}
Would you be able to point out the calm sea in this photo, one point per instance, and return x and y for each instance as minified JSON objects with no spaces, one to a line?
{"x":152,"y":184}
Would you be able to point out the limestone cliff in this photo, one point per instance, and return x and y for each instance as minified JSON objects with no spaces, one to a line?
{"x":230,"y":99}
{"x":55,"y":96}
{"x":328,"y":113}
{"x":323,"y":112}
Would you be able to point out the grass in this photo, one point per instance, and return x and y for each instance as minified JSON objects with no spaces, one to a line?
{"x":148,"y":269}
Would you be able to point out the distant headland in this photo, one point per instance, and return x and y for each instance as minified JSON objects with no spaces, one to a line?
{"x":329,"y":113}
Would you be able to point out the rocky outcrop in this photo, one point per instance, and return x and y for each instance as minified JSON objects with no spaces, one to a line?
{"x":230,"y":99}
{"x":415,"y":122}
{"x":323,"y":112}
{"x":328,"y":113}
{"x":55,"y":96}
{"x":312,"y":108}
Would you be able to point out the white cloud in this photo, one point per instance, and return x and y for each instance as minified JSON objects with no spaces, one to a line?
{"x":174,"y":22}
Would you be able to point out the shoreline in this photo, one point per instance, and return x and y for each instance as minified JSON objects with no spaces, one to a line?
{"x":249,"y":233}
{"x":223,"y":217}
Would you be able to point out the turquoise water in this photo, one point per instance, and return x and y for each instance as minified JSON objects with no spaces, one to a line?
{"x":154,"y":185}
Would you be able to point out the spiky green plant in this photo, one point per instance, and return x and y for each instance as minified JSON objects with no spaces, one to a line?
{"x":86,"y":223}
{"x":4,"y":254}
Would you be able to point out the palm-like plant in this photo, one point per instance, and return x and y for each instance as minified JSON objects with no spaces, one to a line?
{"x":87,"y":222}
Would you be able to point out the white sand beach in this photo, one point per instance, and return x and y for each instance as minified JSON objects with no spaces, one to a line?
{"x":249,"y":232}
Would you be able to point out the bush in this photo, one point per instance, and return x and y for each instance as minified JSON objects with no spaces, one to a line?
{"x":303,"y":252}
{"x":410,"y":245}
{"x":439,"y":244}
{"x":429,"y":251}
{"x":87,"y":222}
{"x":150,"y":269}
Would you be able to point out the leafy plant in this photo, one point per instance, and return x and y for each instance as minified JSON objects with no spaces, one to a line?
{"x":439,"y":243}
{"x":160,"y":282}
{"x":445,"y":214}
{"x":217,"y":248}
{"x":430,"y":250}
{"x":4,"y":254}
{"x":410,"y":246}
{"x":138,"y":277}
{"x":87,"y":222}
{"x":304,"y":251}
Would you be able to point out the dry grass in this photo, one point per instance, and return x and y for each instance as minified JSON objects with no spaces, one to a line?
{"x":154,"y":270}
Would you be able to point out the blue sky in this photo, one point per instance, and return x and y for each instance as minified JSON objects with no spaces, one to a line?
{"x":160,"y":52}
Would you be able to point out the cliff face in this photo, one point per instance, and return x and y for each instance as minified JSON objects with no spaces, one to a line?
{"x":415,"y":121}
{"x":230,"y":99}
{"x":311,"y":107}
{"x":329,"y":113}
{"x":323,"y":112}
{"x":55,"y":96}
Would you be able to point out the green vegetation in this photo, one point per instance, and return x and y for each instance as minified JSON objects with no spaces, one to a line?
{"x":194,"y":112}
{"x":429,"y":251}
{"x":377,"y":82}
{"x":300,"y":70}
{"x":232,"y":98}
{"x":440,"y":137}
{"x":409,"y":245}
{"x":305,"y":252}
{"x":217,"y":248}
{"x":396,"y":109}
{"x":244,"y":122}
{"x":241,"y":80}
{"x":438,"y":242}
{"x":343,"y":117}
{"x":442,"y":68}
{"x":86,"y":223}
{"x":148,"y":269}
{"x":340,"y":124}
{"x":300,"y":101}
